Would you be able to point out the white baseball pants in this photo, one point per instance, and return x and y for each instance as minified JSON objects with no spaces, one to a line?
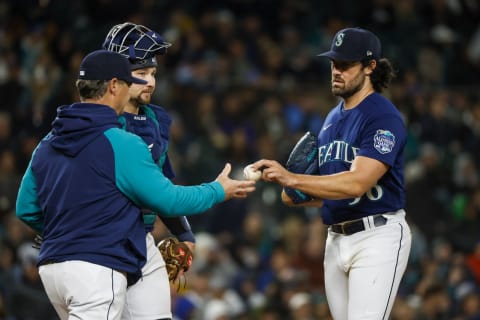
{"x":363,"y":270}
{"x":149,"y":298}
{"x":83,"y":290}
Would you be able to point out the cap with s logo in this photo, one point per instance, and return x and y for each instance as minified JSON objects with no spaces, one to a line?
{"x":354,"y":44}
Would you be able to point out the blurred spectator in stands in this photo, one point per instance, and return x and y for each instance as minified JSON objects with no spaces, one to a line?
{"x":223,"y":300}
{"x":253,"y":245}
{"x":402,"y":310}
{"x":472,"y":141}
{"x":469,"y":308}
{"x":436,"y":126}
{"x":301,"y":113}
{"x":473,"y":262}
{"x":190,"y":303}
{"x":26,"y":296}
{"x":211,"y":255}
{"x":435,"y":304}
{"x":473,"y":48}
{"x":428,"y":210}
{"x":464,"y":232}
{"x":253,"y":298}
{"x":15,"y":232}
{"x":460,"y":281}
{"x":3,"y":310}
{"x":7,"y":268}
{"x":309,"y":256}
{"x":301,"y":306}
{"x":9,"y":182}
{"x":13,"y":96}
{"x":6,"y":132}
{"x":465,"y":174}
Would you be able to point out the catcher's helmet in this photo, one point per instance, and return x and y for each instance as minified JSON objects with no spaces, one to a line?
{"x":136,"y":42}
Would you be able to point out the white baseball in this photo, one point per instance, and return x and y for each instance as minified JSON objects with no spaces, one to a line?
{"x":250,"y":174}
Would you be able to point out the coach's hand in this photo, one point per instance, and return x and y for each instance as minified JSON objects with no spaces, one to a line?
{"x":234,"y":188}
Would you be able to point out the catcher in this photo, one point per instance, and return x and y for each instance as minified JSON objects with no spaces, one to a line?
{"x":141,"y":46}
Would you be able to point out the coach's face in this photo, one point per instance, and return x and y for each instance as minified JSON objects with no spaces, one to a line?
{"x":141,"y":94}
{"x":347,"y":78}
{"x":120,"y":90}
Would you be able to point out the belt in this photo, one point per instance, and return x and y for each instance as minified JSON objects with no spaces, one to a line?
{"x":354,"y":226}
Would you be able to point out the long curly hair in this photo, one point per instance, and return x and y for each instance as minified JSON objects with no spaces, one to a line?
{"x":382,"y":75}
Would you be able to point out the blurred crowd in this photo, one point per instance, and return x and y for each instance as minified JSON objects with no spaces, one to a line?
{"x":242,"y":82}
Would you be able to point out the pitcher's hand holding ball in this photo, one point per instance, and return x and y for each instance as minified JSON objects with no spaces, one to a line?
{"x":251,"y":174}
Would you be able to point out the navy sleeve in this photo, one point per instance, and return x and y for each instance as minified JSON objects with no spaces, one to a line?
{"x":384,"y":138}
{"x":179,"y":227}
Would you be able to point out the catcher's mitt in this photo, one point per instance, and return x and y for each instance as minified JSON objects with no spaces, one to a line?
{"x":177,"y":256}
{"x":302,"y":159}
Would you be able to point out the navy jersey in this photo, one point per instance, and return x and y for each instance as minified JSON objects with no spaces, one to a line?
{"x":152,"y":124}
{"x":373,"y":129}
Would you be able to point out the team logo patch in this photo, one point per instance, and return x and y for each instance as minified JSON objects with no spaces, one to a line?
{"x":339,"y":39}
{"x":384,"y":141}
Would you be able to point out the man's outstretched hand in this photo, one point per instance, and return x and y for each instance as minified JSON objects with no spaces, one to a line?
{"x":234,"y":188}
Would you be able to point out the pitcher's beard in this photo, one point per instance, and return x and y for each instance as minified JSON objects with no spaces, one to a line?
{"x":349,"y":90}
{"x":138,"y":101}
{"x":346,"y":92}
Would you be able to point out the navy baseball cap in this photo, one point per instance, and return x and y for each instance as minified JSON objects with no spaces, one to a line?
{"x":106,"y":65}
{"x":354,"y":44}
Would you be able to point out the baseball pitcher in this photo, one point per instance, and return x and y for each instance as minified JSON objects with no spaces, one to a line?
{"x":358,"y":181}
